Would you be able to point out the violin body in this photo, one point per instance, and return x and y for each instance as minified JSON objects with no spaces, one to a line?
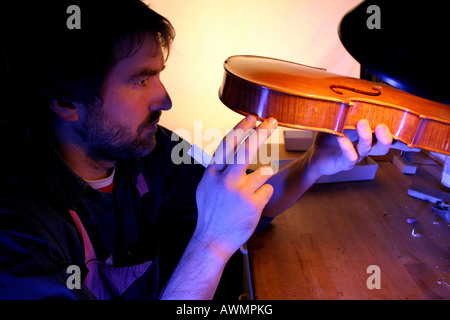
{"x":309,"y":98}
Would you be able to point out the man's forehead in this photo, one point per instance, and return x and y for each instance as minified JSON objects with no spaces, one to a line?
{"x":148,"y":55}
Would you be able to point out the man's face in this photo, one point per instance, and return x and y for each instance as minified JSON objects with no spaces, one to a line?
{"x":124,"y":124}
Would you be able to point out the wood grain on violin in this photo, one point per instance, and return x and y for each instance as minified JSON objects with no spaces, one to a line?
{"x":303,"y":97}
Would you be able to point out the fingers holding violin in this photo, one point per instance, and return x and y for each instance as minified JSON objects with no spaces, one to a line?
{"x":228,"y":146}
{"x":248,"y":150}
{"x":384,"y":140}
{"x":365,"y":138}
{"x":232,"y":149}
{"x":367,"y":145}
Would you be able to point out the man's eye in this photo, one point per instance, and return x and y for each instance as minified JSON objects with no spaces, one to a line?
{"x":142,"y":82}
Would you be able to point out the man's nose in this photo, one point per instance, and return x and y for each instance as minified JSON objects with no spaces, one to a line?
{"x":163,"y":102}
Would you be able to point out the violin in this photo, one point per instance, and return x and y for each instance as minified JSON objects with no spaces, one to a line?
{"x":304,"y":97}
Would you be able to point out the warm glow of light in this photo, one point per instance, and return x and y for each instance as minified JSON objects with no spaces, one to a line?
{"x":208,"y":32}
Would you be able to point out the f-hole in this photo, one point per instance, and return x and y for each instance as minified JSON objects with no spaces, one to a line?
{"x":376,"y":92}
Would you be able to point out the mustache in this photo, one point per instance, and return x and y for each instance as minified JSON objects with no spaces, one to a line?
{"x":154,"y":116}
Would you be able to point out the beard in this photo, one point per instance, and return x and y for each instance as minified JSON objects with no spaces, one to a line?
{"x":107,"y":139}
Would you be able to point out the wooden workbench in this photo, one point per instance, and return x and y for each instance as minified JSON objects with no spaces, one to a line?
{"x":321,"y":247}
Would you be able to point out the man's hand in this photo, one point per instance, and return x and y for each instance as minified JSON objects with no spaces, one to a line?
{"x":229,"y":201}
{"x":332,"y":154}
{"x":229,"y":204}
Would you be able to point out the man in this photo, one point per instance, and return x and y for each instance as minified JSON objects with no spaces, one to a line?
{"x":91,"y":188}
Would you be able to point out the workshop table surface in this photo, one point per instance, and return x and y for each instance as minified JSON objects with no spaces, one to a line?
{"x":329,"y":244}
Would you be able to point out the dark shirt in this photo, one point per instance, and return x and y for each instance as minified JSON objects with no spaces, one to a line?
{"x":38,"y":238}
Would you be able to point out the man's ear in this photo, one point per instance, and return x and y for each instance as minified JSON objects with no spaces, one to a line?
{"x":66,"y":109}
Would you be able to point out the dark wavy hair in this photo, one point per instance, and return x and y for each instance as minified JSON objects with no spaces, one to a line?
{"x":44,"y":60}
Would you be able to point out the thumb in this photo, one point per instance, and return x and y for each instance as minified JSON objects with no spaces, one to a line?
{"x":263,"y":195}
